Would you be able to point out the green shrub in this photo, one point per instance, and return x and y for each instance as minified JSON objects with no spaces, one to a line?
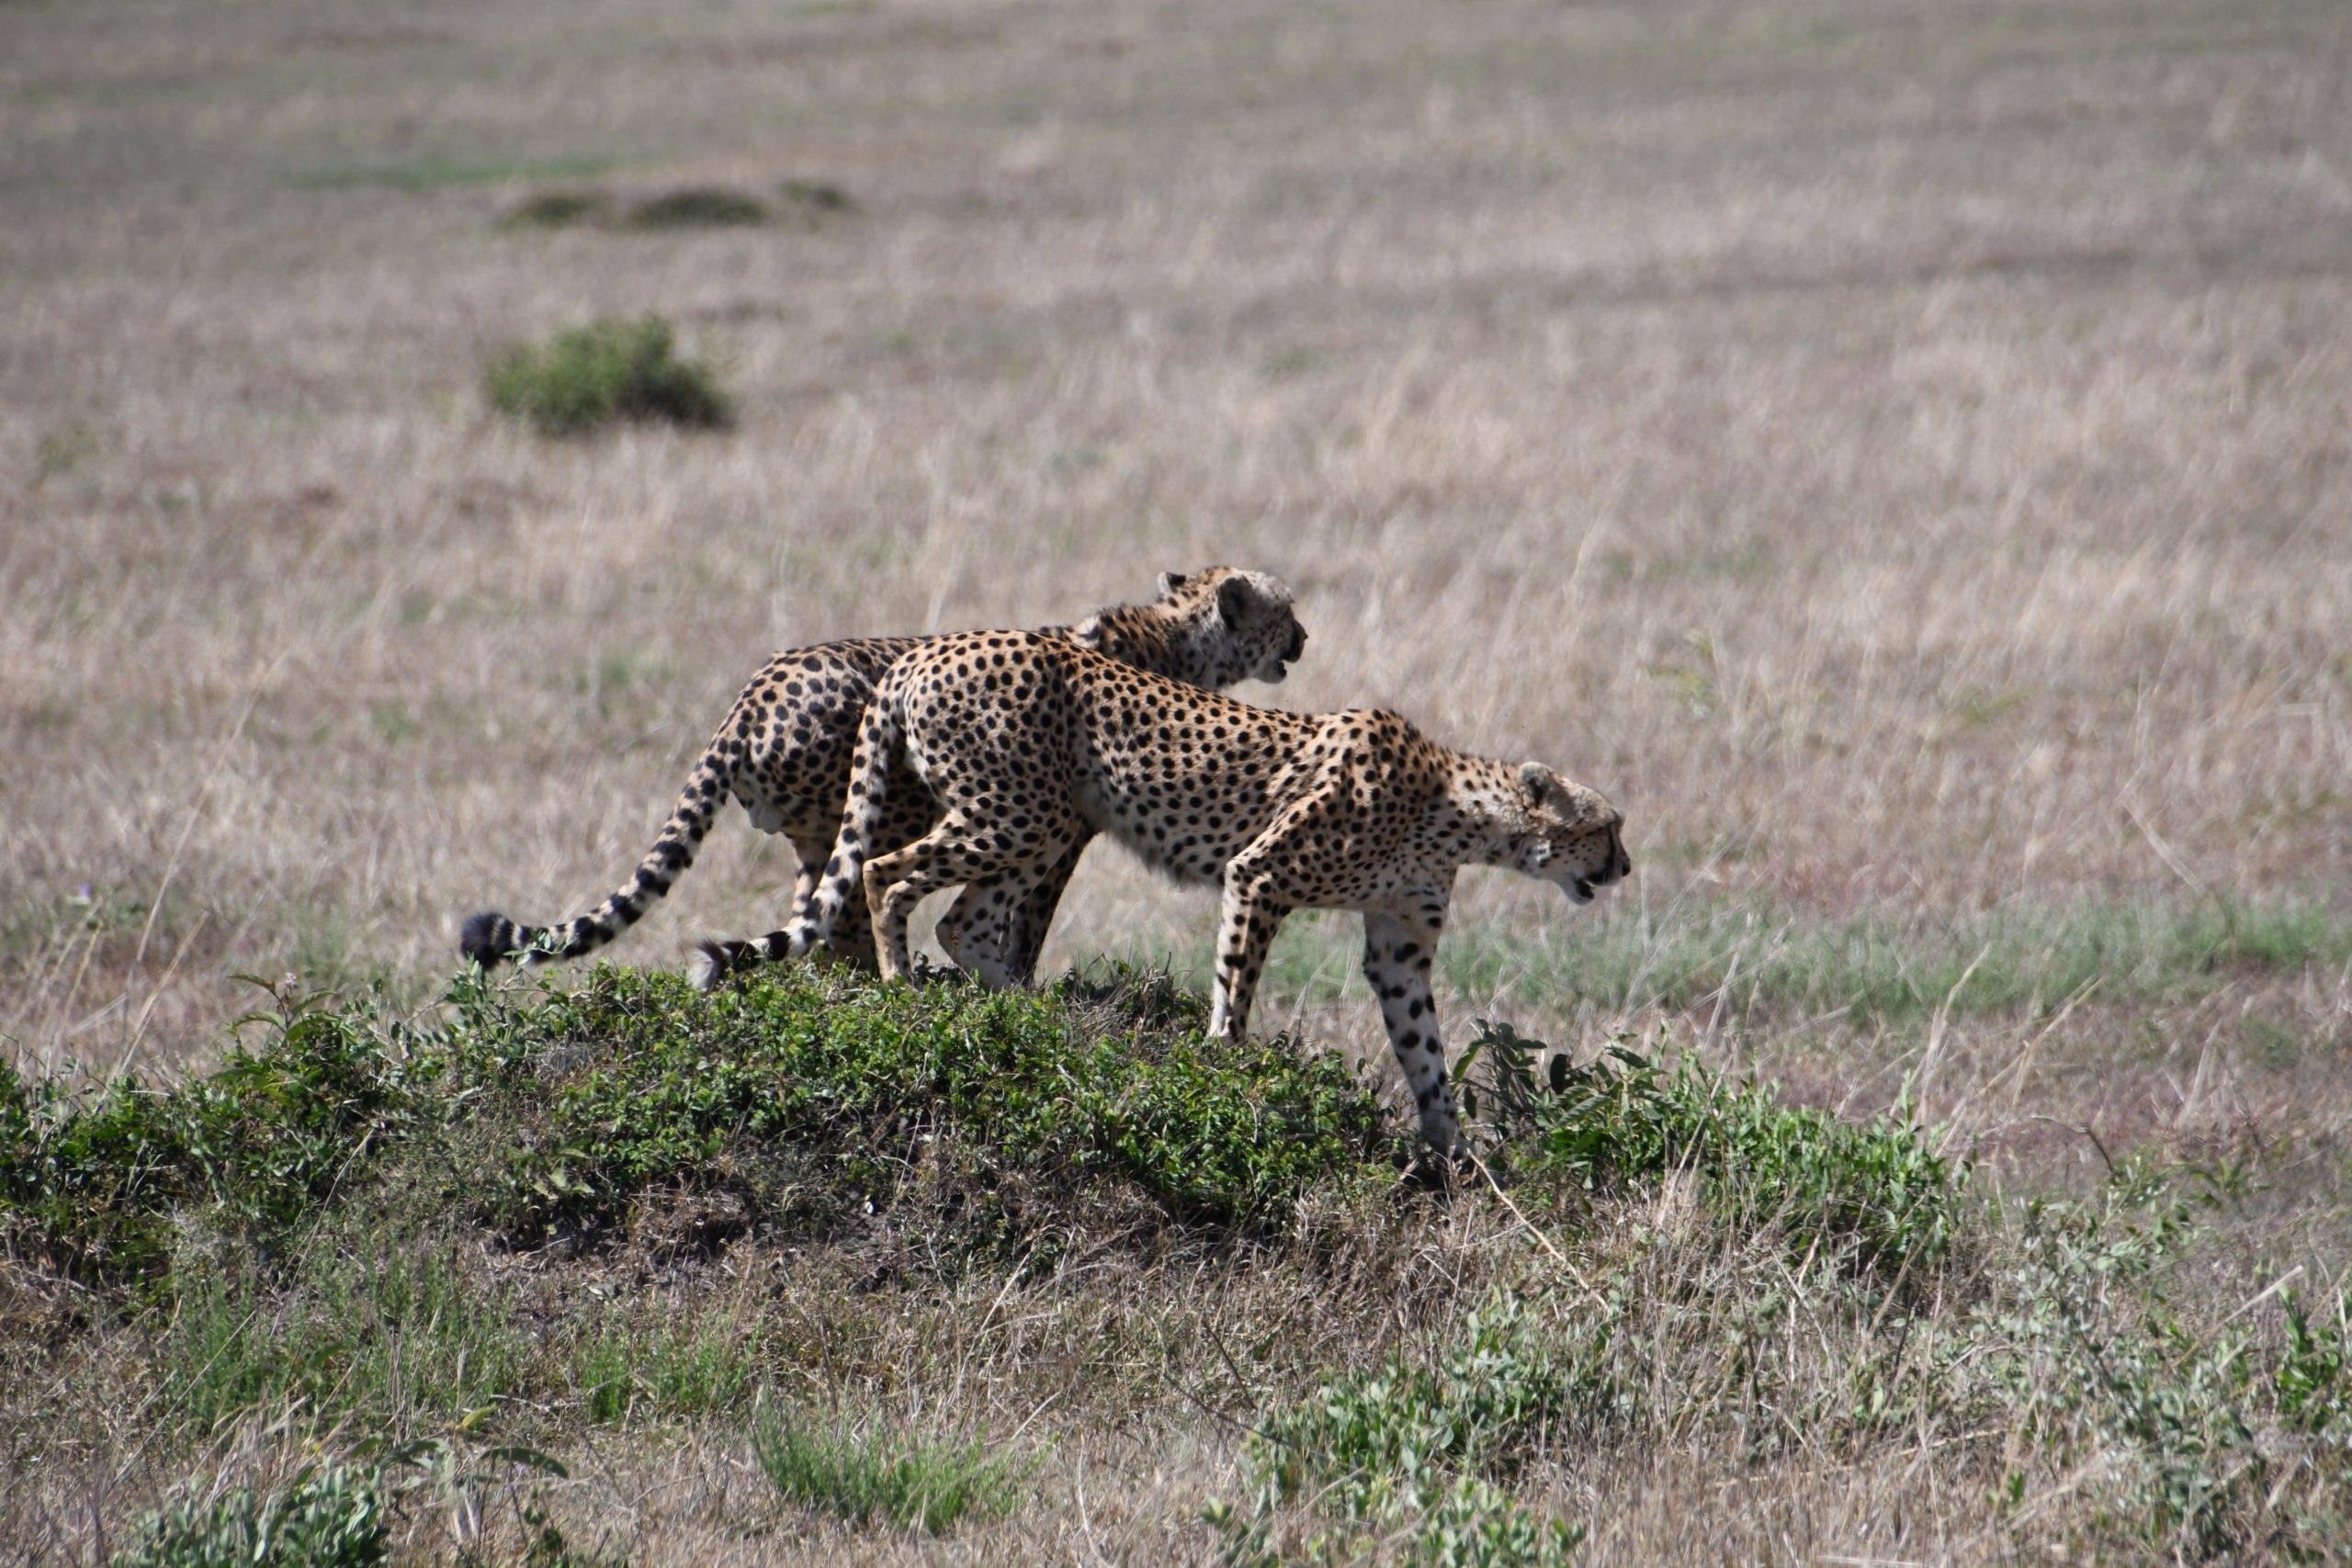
{"x":700,"y":207}
{"x":1425,"y":1451}
{"x":1623,"y":1118}
{"x":324,"y":1518}
{"x":585,"y":378}
{"x":817,"y":197}
{"x":90,"y":1181}
{"x":876,"y":1471}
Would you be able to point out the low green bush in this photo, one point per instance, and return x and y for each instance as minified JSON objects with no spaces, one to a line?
{"x":635,"y":1079}
{"x":816,"y":195}
{"x":585,"y":378}
{"x":1625,"y":1117}
{"x":324,"y":1518}
{"x":91,"y":1181}
{"x":864,"y":1472}
{"x":1426,"y":1452}
{"x":557,"y":209}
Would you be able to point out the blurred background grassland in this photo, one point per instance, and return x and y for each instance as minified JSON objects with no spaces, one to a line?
{"x":1901,"y":454}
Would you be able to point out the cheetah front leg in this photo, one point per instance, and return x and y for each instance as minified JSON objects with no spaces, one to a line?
{"x":1397,"y":957}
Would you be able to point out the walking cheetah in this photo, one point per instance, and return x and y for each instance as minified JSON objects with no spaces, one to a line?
{"x":785,"y":748}
{"x":1031,"y":745}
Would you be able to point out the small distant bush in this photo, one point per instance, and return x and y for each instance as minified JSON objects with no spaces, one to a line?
{"x":862,"y":1473}
{"x":329,"y":1518}
{"x":698,"y":207}
{"x":585,"y":378}
{"x":557,"y":209}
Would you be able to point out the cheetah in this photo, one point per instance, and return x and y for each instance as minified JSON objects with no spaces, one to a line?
{"x":1031,"y":745}
{"x":785,"y":749}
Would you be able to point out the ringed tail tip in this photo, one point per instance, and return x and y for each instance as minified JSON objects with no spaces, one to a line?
{"x":485,"y":938}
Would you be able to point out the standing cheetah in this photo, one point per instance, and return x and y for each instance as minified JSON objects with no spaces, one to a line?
{"x":784,"y":750}
{"x":1032,"y":745}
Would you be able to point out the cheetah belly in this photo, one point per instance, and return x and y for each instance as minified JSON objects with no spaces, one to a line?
{"x":1156,"y":836}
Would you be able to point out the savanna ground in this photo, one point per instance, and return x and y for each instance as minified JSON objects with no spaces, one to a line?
{"x":1903,"y":455}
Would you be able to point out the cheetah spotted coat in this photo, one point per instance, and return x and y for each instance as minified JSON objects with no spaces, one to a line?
{"x":786,"y":747}
{"x":1031,"y":745}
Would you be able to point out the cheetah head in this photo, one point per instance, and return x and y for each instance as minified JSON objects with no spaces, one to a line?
{"x":1569,"y":834}
{"x":1245,"y":617}
{"x":1214,"y":628}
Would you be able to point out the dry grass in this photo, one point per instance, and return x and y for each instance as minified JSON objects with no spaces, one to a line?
{"x":1901,"y":455}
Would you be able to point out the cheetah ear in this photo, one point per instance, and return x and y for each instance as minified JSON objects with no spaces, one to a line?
{"x":1169,"y":582}
{"x":1235,"y":597}
{"x":1088,"y":633}
{"x":1535,"y":780}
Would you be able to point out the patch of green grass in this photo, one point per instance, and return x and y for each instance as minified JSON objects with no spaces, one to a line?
{"x":64,"y":451}
{"x":875,"y":1469}
{"x":583,"y":378}
{"x":375,"y":1322}
{"x":698,"y":1367}
{"x":1753,"y":955}
{"x":435,"y":170}
{"x":333,"y":1518}
{"x":698,"y":206}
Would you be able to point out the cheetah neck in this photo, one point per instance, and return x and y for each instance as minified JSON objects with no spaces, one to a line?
{"x":1487,"y":795}
{"x":1148,"y":638}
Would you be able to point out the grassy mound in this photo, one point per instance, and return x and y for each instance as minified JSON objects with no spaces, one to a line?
{"x":808,"y":1101}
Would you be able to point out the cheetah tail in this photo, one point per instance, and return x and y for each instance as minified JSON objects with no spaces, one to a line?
{"x":489,"y":937}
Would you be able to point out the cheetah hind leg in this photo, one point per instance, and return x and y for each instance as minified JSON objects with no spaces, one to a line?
{"x":952,"y":852}
{"x":1026,"y":936}
{"x":982,"y":931}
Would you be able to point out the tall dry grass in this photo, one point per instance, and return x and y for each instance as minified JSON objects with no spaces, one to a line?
{"x":1912,"y":451}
